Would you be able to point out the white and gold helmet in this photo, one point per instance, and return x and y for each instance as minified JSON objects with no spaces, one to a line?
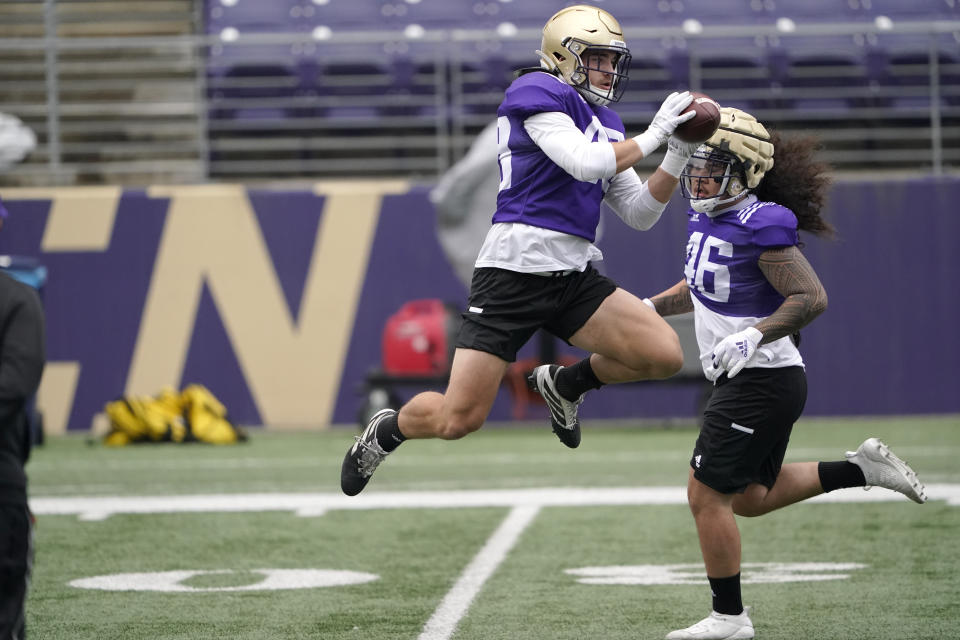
{"x":572,"y":31}
{"x":737,"y":156}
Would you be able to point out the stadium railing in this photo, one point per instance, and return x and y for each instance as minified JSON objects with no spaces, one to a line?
{"x":139,"y":93}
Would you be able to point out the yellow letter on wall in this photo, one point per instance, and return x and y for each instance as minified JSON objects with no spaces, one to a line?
{"x":211,"y":235}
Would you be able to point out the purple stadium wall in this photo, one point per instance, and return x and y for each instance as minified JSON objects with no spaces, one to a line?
{"x":276,"y":300}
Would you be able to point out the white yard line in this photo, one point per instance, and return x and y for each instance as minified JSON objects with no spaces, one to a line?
{"x":314,"y":504}
{"x":455,"y":604}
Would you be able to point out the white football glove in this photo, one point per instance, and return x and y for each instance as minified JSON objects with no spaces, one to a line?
{"x":665,"y":121}
{"x":736,"y":350}
{"x":678,"y":154}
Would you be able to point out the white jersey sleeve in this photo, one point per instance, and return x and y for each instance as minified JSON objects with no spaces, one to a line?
{"x":632,"y":201}
{"x":558,"y":136}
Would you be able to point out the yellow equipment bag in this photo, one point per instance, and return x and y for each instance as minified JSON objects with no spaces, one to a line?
{"x":195,"y":415}
{"x":206,"y":417}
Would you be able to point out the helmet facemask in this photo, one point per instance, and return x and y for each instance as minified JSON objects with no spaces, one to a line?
{"x":587,"y":58}
{"x":712,"y":179}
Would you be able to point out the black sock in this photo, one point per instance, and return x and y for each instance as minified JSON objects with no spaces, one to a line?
{"x":577,"y":379}
{"x":388,"y":433}
{"x":840,"y":475}
{"x":726,"y":595}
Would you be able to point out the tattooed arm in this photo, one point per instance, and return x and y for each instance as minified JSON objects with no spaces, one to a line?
{"x":790,"y":274}
{"x":674,"y":300}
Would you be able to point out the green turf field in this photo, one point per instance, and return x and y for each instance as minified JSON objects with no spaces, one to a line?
{"x":503,"y":535}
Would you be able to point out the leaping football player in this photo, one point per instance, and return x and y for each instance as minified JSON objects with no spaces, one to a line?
{"x":562,"y":152}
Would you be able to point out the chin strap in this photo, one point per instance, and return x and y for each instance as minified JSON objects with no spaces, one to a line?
{"x":594,"y":96}
{"x":715,"y":206}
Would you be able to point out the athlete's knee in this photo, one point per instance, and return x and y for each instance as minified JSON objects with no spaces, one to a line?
{"x":668,"y":364}
{"x":752,"y":506}
{"x":695,"y":500}
{"x":748,"y":509}
{"x":457,"y":424}
{"x":661,"y":362}
{"x":697,"y":505}
{"x":705,"y":501}
{"x":752,"y":502}
{"x":454,"y":430}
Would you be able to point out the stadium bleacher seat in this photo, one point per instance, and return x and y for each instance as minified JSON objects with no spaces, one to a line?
{"x":439,"y":14}
{"x":353,"y":88}
{"x":905,"y":9}
{"x":652,"y":78}
{"x":251,"y":15}
{"x":734,"y":71}
{"x":806,"y":44}
{"x":255,"y":92}
{"x":522,"y":13}
{"x":353,"y":15}
{"x":483,"y":82}
{"x":826,"y":81}
{"x":642,"y":13}
{"x":720,"y":11}
{"x":418,"y":76}
{"x":910,"y":75}
{"x":740,"y":81}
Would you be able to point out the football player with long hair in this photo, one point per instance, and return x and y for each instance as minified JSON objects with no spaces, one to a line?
{"x":562,"y":153}
{"x":751,"y":291}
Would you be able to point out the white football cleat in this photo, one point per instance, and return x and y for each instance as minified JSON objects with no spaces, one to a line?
{"x":717,"y":626}
{"x":881,"y":468}
{"x":563,"y":413}
{"x":364,"y":456}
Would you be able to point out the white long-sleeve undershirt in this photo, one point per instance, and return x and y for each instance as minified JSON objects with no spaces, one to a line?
{"x":558,"y":136}
{"x":627,"y":195}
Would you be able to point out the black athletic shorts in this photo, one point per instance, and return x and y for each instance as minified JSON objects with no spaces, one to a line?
{"x":506,"y":307}
{"x":16,"y":560}
{"x":746,"y":428}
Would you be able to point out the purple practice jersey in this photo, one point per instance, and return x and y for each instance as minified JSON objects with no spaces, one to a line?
{"x":722,"y":256}
{"x":534,"y":190}
{"x":729,"y":291}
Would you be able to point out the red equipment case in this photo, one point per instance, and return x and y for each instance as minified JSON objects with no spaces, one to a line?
{"x":419,"y":339}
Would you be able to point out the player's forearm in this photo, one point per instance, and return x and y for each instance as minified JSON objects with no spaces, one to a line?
{"x":631,"y":200}
{"x":804,"y":296}
{"x":796,"y":312}
{"x":661,"y":185}
{"x":674,"y":300}
{"x":627,"y":153}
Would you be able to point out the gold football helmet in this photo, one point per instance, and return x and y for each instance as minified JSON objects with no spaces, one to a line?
{"x":737,"y":156}
{"x":569,"y":34}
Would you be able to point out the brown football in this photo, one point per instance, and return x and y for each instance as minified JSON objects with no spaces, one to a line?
{"x":700,"y":127}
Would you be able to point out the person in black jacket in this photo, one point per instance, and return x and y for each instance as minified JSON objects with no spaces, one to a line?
{"x":22,"y":357}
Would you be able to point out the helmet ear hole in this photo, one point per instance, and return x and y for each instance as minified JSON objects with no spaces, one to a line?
{"x":735,"y":187}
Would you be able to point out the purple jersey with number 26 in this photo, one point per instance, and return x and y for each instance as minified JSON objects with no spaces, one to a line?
{"x":722,"y":257}
{"x":534,"y":190}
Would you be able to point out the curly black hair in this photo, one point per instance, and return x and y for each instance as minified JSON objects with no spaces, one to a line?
{"x":798,"y":181}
